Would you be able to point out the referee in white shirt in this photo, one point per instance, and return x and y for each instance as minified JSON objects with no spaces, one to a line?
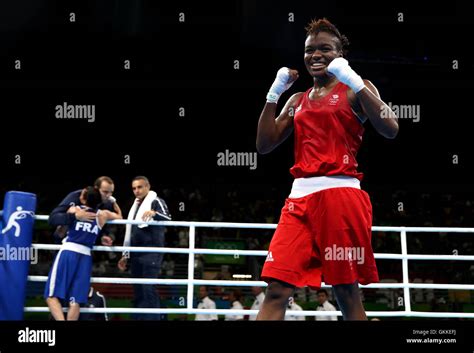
{"x":205,"y":303}
{"x":293,"y":306}
{"x":325,"y":305}
{"x":259,"y":298}
{"x":234,"y":298}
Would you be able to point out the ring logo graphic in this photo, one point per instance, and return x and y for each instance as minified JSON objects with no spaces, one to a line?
{"x":14,"y":217}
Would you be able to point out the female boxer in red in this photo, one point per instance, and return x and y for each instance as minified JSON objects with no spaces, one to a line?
{"x":324,"y":232}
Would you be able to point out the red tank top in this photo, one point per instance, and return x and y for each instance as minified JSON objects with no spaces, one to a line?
{"x":328,"y":135}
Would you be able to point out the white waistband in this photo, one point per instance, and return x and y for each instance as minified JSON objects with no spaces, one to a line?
{"x":81,"y":249}
{"x":305,"y":186}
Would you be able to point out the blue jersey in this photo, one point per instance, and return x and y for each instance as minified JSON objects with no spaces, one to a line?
{"x":83,"y":232}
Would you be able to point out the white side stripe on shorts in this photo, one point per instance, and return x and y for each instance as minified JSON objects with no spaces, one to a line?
{"x":54,"y":271}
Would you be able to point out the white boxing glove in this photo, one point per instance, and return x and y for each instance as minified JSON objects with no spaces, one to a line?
{"x":280,"y":85}
{"x":112,"y":199}
{"x":340,"y":68}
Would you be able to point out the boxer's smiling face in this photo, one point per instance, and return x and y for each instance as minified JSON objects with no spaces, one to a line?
{"x":319,"y":51}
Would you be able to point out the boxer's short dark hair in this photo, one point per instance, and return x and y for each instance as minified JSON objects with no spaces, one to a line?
{"x":93,"y":197}
{"x":324,"y":25}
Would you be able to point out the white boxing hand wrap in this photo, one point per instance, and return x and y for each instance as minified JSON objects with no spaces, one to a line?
{"x":340,"y":68}
{"x":280,"y":85}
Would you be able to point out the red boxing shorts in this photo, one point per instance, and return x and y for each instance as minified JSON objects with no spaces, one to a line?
{"x":323,"y":236}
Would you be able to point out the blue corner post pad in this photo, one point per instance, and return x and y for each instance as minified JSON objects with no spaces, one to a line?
{"x":16,"y":224}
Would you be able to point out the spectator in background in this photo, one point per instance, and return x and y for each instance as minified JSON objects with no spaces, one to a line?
{"x":259,"y":298}
{"x":253,"y":263}
{"x":224,"y":273}
{"x":168,"y":266}
{"x":95,"y":300}
{"x":218,"y":292}
{"x":198,"y":266}
{"x":205,"y":303}
{"x":146,"y":207}
{"x":234,"y":298}
{"x":325,"y":305}
{"x":293,"y":306}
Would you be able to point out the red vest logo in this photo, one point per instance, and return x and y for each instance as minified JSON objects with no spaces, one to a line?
{"x":334,"y":99}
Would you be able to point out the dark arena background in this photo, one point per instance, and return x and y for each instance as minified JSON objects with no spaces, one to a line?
{"x":177,"y":90}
